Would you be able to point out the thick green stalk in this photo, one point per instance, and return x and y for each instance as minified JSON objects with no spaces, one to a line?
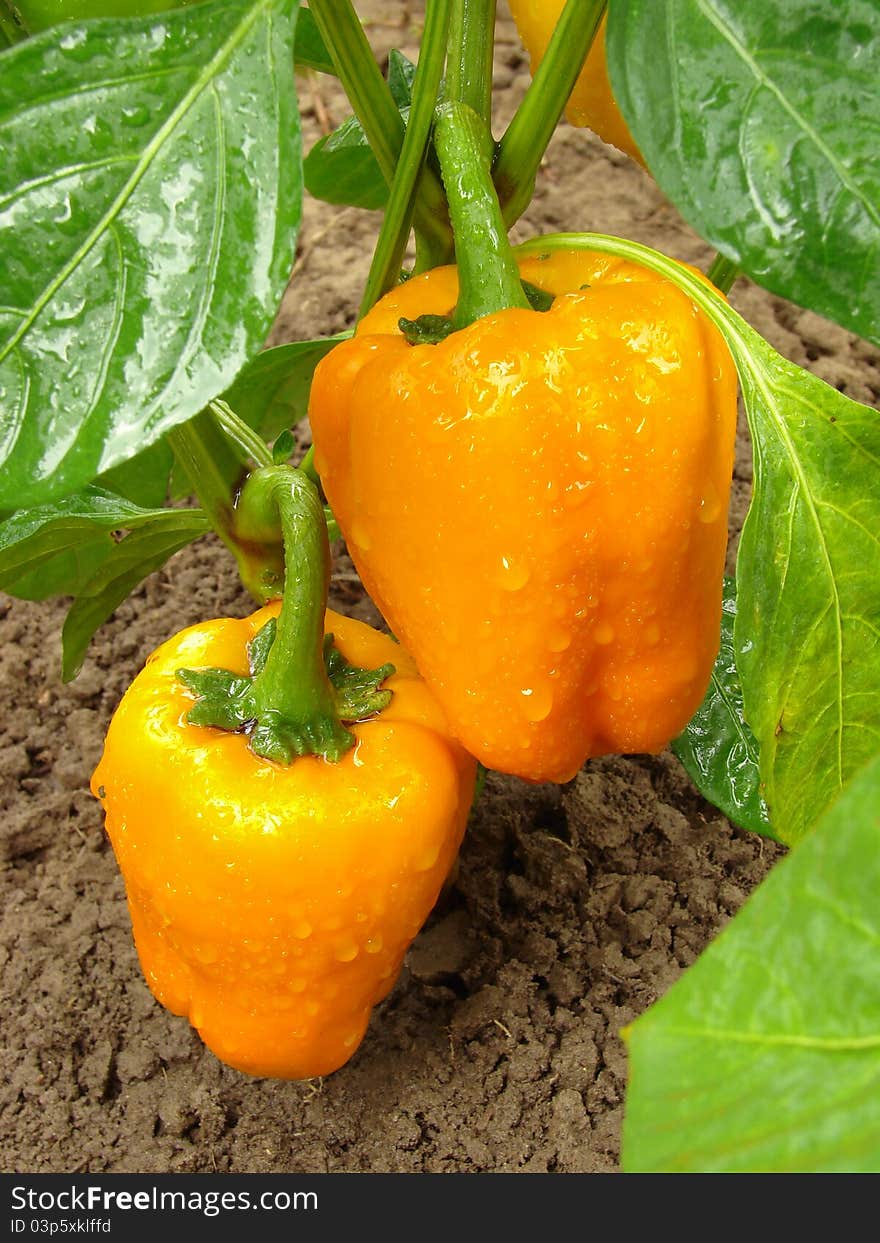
{"x":393,"y":236}
{"x":294,"y":700}
{"x":374,"y":106}
{"x":487,"y":272}
{"x":722,"y":273}
{"x":469,"y":61}
{"x":522,"y":148}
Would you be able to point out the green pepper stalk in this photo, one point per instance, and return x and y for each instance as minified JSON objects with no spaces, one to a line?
{"x":409,"y":174}
{"x":488,"y":276}
{"x":469,"y":60}
{"x":301,"y":690}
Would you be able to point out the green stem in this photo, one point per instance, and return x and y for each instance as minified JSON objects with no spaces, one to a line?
{"x":292,"y":693}
{"x":249,"y":442}
{"x":522,"y":148}
{"x":206,"y":462}
{"x":722,"y":273}
{"x":469,"y":62}
{"x":393,"y":236}
{"x":374,"y":106}
{"x":213,"y":462}
{"x":307,"y":465}
{"x":487,"y":272}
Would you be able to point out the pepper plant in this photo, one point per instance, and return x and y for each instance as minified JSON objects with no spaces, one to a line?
{"x":150,"y":194}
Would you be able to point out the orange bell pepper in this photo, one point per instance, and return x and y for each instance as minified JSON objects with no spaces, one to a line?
{"x":538,"y":504}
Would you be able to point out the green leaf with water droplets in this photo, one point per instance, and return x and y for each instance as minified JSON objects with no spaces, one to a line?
{"x":760,"y":121}
{"x":717,"y":748}
{"x":765,"y":1057}
{"x":149,"y":196}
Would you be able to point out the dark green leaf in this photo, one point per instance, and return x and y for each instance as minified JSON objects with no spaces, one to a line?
{"x":760,"y":121}
{"x":127,"y":565}
{"x":341,"y":168}
{"x":718,"y":749}
{"x":766,"y":1055}
{"x":150,"y":188}
{"x":144,"y":479}
{"x":55,"y":549}
{"x":284,"y":447}
{"x":401,"y":75}
{"x":807,"y":630}
{"x":272,"y":393}
{"x":309,"y":50}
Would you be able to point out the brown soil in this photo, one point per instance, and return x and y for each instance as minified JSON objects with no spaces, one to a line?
{"x":573,"y":908}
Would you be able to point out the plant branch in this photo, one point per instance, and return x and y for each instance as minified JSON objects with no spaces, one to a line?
{"x":471,"y":48}
{"x":393,"y":236}
{"x":249,"y":442}
{"x":374,"y":106}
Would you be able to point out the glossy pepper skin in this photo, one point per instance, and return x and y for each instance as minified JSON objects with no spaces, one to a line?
{"x":273,"y":906}
{"x":591,"y":103}
{"x":538,"y":505}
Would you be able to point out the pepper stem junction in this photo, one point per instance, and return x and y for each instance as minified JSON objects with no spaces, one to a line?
{"x":301,"y":691}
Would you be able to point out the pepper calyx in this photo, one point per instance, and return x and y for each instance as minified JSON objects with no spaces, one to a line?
{"x":432,"y":329}
{"x":427,"y":329}
{"x":229,"y":701}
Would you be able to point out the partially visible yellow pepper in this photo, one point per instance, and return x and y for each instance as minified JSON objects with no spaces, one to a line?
{"x":273,"y":905}
{"x":591,"y":103}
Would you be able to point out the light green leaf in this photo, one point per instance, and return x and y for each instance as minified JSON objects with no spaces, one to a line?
{"x":128,"y":564}
{"x":149,"y":198}
{"x":765,"y":1056}
{"x":760,"y":120}
{"x":55,"y":549}
{"x":807,"y":631}
{"x":717,"y":748}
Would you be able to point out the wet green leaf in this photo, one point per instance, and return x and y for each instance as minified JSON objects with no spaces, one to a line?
{"x":717,"y":748}
{"x":765,"y":1056}
{"x":309,"y":50}
{"x":55,"y":549}
{"x":129,"y":562}
{"x":150,"y":193}
{"x":760,"y":121}
{"x":341,"y":168}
